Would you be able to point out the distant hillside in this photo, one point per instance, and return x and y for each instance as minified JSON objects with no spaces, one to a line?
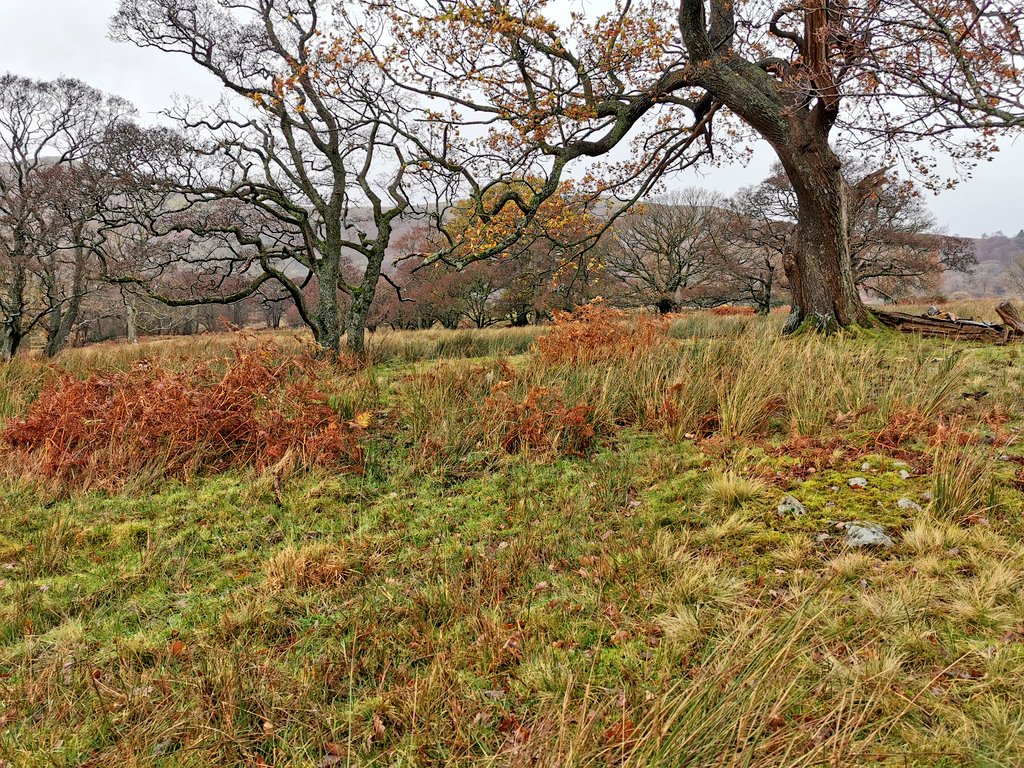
{"x":996,"y":254}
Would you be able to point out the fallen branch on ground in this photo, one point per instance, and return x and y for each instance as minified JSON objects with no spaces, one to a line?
{"x":948,"y":326}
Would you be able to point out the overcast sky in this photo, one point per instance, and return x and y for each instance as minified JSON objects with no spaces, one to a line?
{"x":48,"y":38}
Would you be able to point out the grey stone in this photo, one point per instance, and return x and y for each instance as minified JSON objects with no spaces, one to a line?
{"x":857,"y":482}
{"x":907,"y":504}
{"x":860,"y":534}
{"x":790,"y":506}
{"x":905,"y":475}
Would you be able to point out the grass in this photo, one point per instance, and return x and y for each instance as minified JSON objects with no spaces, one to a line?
{"x":469,"y":599}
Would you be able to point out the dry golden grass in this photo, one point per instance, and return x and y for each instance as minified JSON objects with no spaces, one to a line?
{"x":313,"y":566}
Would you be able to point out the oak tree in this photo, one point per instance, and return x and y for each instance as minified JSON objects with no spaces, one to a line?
{"x":916,"y":77}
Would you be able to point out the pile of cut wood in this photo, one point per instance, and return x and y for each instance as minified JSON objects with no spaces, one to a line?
{"x":945,"y":324}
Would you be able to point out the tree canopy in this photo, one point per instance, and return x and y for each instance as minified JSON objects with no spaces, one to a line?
{"x":681,"y":81}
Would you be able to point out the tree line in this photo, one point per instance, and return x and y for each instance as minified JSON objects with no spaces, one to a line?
{"x":522,"y":150}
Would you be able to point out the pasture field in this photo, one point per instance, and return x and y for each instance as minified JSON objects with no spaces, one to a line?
{"x":563,"y":546}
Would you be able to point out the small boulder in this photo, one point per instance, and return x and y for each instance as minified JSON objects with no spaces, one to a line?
{"x":904,"y":475}
{"x":790,"y":506}
{"x":857,"y":482}
{"x":866,"y":535}
{"x":909,"y":505}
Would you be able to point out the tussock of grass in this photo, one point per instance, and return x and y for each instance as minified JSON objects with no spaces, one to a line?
{"x":962,"y":482}
{"x":315,"y":566}
{"x":730,"y":491}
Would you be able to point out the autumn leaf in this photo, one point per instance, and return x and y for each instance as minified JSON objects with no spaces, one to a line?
{"x":362,"y":420}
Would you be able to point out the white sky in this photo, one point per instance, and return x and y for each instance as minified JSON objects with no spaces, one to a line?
{"x":49,"y":38}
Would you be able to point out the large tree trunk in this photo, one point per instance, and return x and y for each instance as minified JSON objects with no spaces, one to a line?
{"x":12,"y":307}
{"x":63,"y":322}
{"x":57,"y":335}
{"x":819,"y":270}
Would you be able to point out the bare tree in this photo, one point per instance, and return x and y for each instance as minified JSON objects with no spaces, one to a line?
{"x":1015,"y":275}
{"x":896,"y":246}
{"x":301,"y":168}
{"x":51,"y":138}
{"x":665,"y":248}
{"x":758,"y":234}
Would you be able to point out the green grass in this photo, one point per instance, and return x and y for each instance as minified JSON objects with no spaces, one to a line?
{"x":457,"y":605}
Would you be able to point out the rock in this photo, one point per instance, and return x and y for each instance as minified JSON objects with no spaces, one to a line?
{"x":927,"y":496}
{"x":907,"y":504}
{"x":857,"y":482}
{"x":865,"y":467}
{"x":904,"y":475}
{"x":866,"y":535}
{"x":1003,"y":457}
{"x":790,"y":506}
{"x":821,"y":538}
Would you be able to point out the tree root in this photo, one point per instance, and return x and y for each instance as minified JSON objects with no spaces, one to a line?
{"x":948,"y":326}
